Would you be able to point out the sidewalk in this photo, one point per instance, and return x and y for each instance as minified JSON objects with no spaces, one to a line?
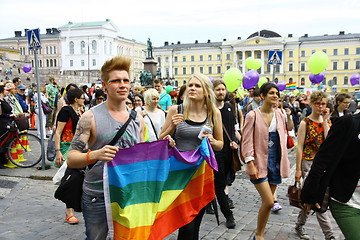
{"x":29,"y":211}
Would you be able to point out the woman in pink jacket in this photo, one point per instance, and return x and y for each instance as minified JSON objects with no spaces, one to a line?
{"x":265,"y":152}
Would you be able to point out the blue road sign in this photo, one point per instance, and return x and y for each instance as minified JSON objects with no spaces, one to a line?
{"x":34,"y":39}
{"x":275,"y":57}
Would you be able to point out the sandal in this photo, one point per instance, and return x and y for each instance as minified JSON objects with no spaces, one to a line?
{"x":72,"y":219}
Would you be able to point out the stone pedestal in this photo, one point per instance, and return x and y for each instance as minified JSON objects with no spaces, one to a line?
{"x":150,"y":65}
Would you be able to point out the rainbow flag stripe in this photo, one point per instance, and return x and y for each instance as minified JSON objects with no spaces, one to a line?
{"x":291,"y":86}
{"x":151,"y":189}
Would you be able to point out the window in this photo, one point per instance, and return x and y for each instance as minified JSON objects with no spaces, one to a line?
{"x":47,"y":63}
{"x":93,"y":46}
{"x":167,"y":59}
{"x":302,"y":53}
{"x":82,"y":47}
{"x":291,"y":67}
{"x":346,"y":51}
{"x":335,"y":52}
{"x":240,"y":55}
{"x":175,"y":59}
{"x":110,"y":48}
{"x":51,"y":63}
{"x":324,"y":50}
{"x":324,"y":81}
{"x":184,"y":70}
{"x":357,"y":65}
{"x":209,"y":58}
{"x":291,"y":54}
{"x":249,"y":54}
{"x":192,"y":58}
{"x":201,"y":58}
{"x":210,"y":70}
{"x":218,"y":69}
{"x":268,"y":68}
{"x":192,"y":69}
{"x":334,"y":65}
{"x":71,"y":63}
{"x":291,"y":80}
{"x":302,"y":82}
{"x":357,"y":51}
{"x":82,"y":62}
{"x":54,"y":49}
{"x":258,"y":55}
{"x":228,"y":56}
{"x":201,"y":69}
{"x":54,"y":62}
{"x":313,"y":51}
{"x":218,"y":57}
{"x":176,"y":71}
{"x":302,"y":67}
{"x":51,"y":50}
{"x":346,"y":65}
{"x":184,"y":58}
{"x":346,"y":80}
{"x":40,"y":63}
{"x":335,"y":80}
{"x":105,"y":46}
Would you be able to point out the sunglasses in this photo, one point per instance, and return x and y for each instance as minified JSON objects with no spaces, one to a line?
{"x":100,"y":98}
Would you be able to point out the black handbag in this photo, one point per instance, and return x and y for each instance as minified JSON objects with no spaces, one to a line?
{"x":50,"y":150}
{"x":70,"y":188}
{"x":235,"y":158}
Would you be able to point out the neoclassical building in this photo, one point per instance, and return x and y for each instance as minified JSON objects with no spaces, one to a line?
{"x":179,"y":61}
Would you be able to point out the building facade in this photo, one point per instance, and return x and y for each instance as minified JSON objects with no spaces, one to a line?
{"x":179,"y":61}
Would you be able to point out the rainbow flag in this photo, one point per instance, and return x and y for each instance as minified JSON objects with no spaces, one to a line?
{"x":152,"y":189}
{"x":291,"y":86}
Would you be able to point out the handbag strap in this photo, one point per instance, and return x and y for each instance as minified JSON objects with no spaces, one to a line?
{"x":226,"y":133}
{"x":123,"y":128}
{"x":152,"y":125}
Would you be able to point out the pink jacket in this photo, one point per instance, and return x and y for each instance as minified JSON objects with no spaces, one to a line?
{"x":254,"y":144}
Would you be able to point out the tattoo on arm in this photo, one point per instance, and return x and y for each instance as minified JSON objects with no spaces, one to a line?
{"x":82,"y":133}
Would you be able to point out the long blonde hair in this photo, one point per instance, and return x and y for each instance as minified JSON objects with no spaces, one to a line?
{"x":209,"y":98}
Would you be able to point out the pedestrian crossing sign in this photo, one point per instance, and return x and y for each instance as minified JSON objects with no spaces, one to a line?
{"x":275,"y":57}
{"x":34,"y":38}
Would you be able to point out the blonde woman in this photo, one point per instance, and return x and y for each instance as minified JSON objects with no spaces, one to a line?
{"x":154,"y":118}
{"x":198,"y":110}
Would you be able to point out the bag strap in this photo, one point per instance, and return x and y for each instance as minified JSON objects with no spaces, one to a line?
{"x":152,"y":124}
{"x":226,"y":133}
{"x":123,"y":128}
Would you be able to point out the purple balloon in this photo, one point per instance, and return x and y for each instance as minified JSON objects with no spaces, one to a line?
{"x":354,"y":79}
{"x":27,"y":67}
{"x":316,"y":78}
{"x":250,"y":80}
{"x":211,"y":79}
{"x":281,"y":85}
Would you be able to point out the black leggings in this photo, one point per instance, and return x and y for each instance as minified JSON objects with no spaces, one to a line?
{"x":191,"y":230}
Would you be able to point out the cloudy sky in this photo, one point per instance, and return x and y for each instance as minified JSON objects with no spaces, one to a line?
{"x":187,"y":20}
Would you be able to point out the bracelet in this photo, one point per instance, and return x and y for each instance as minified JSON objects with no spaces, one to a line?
{"x":57,"y":150}
{"x":88,"y":157}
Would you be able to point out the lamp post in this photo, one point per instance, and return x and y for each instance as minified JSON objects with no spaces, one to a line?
{"x":88,"y":61}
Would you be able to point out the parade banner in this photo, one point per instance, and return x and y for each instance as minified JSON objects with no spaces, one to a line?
{"x":152,"y":189}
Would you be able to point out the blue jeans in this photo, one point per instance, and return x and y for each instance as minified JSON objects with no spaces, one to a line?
{"x":94,"y":213}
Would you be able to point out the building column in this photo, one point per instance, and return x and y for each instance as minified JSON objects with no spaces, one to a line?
{"x":236,"y":64}
{"x":243,"y":61}
{"x":262,"y":62}
{"x":253,"y":53}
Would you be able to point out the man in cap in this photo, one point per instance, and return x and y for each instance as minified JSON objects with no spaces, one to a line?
{"x":21,"y":97}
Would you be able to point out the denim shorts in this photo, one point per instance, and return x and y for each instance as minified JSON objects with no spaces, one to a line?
{"x":273,"y":167}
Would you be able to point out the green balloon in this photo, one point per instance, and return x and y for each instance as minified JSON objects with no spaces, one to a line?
{"x":240,"y":93}
{"x":233,"y":79}
{"x":318,"y":62}
{"x":296,"y":92}
{"x":252,"y":63}
{"x":168,"y":89}
{"x":262,"y":80}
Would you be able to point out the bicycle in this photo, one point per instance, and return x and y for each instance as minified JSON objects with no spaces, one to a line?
{"x":23,"y":149}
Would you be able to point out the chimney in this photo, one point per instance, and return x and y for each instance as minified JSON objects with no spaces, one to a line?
{"x":196,"y":41}
{"x":224,"y":40}
{"x":48,"y":31}
{"x":17,"y":33}
{"x":342,"y":33}
{"x":26,"y":31}
{"x":108,"y":20}
{"x":305,"y":35}
{"x":239,"y":38}
{"x":166,"y":43}
{"x":172,"y":43}
{"x":208,"y":41}
{"x":178,"y":42}
{"x":55,"y":30}
{"x":290,"y":35}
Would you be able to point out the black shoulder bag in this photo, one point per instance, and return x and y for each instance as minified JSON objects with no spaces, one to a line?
{"x":70,"y":188}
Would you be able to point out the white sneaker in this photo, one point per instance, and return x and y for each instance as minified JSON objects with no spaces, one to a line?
{"x":276,"y":207}
{"x":300,"y":231}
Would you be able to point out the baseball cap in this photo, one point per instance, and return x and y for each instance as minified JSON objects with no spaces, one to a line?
{"x":21,"y":87}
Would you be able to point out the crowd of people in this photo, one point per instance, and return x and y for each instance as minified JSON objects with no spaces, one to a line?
{"x":258,"y":124}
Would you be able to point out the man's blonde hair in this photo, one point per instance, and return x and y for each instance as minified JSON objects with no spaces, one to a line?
{"x":120,"y":63}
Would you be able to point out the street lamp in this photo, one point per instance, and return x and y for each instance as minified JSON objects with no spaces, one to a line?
{"x":88,"y":61}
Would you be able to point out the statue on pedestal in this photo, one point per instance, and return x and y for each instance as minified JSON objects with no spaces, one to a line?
{"x":142,"y":78}
{"x":148,"y":78}
{"x":149,"y":49}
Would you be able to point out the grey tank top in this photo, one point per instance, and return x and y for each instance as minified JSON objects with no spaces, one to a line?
{"x":106,"y":129}
{"x":187,"y":132}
